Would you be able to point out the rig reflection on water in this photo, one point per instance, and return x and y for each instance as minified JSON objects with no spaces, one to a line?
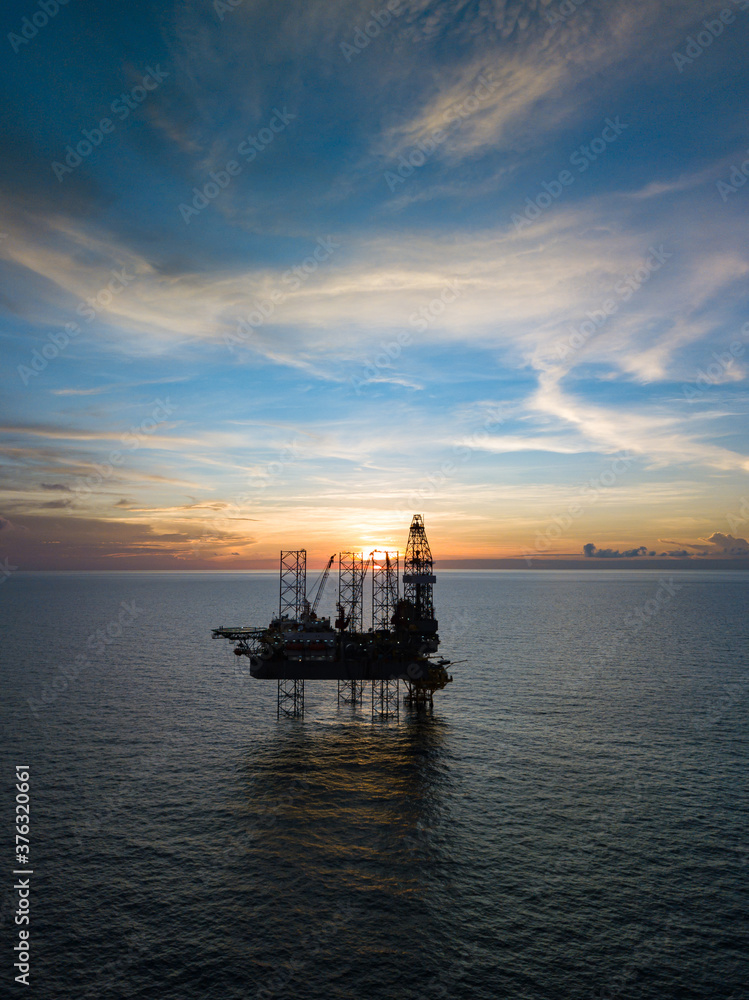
{"x":399,"y":645}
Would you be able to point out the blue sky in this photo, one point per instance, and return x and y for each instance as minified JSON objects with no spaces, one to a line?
{"x":267,"y":286}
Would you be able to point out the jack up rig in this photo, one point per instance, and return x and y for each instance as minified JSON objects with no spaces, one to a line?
{"x":298,"y":645}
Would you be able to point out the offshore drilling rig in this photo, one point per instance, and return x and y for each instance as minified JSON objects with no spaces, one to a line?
{"x":399,"y":644}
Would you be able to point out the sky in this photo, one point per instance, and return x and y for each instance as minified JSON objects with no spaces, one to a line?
{"x":282,"y":274}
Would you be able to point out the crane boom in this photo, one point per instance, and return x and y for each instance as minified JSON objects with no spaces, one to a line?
{"x":360,"y":588}
{"x":321,"y":584}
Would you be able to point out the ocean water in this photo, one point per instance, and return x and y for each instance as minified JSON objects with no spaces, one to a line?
{"x":569,"y":822}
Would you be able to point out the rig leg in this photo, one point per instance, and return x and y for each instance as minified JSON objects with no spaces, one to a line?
{"x":418,"y":697}
{"x":290,"y":698}
{"x":351,"y":692}
{"x":385,"y":699}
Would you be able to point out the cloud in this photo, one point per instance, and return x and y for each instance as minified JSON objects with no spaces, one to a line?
{"x":541,"y":84}
{"x":498,"y":444}
{"x":99,"y":390}
{"x":69,"y":541}
{"x":728,"y":545}
{"x":146,"y":439}
{"x":660,"y":436}
{"x":716,"y":546}
{"x":57,"y":487}
{"x":503,"y":98}
{"x":684,"y":182}
{"x":402,"y":380}
{"x":81,"y":392}
{"x":590,"y":551}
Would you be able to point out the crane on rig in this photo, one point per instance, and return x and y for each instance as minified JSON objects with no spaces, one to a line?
{"x":318,"y":589}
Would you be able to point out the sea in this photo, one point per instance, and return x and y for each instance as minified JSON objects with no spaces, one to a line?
{"x":570,"y":820}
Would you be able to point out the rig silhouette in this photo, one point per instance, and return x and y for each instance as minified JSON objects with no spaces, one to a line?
{"x":399,"y":645}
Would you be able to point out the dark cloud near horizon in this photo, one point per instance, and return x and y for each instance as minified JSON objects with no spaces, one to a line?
{"x":63,"y":540}
{"x":590,"y":551}
{"x":728,"y":545}
{"x":717,"y":545}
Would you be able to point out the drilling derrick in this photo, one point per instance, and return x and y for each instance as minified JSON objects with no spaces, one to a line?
{"x":418,"y":581}
{"x":415,"y":621}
